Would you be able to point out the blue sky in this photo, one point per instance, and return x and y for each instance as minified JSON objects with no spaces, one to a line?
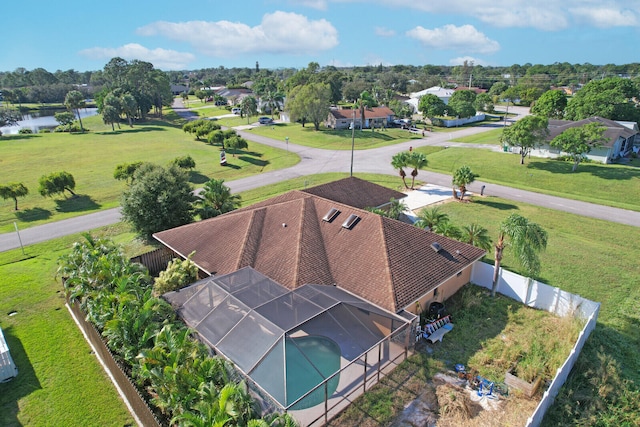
{"x":85,"y":35}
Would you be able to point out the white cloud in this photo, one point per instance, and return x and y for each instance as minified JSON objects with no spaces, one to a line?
{"x":603,"y":17}
{"x":464,"y":38}
{"x":548,"y":15}
{"x":460,"y":61}
{"x":279,"y":32}
{"x":384,"y":32}
{"x":315,"y":4}
{"x":164,"y":59}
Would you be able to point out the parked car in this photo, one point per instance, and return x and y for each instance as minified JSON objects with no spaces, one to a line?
{"x":265,"y":120}
{"x":236,"y":110}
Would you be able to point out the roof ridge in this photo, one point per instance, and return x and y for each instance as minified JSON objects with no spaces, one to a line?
{"x":250,"y":241}
{"x":384,"y":221}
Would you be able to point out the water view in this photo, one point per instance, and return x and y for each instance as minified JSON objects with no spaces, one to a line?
{"x":44,"y":120}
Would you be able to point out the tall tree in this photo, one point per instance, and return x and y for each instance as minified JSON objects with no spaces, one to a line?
{"x":526,"y":134}
{"x":462,"y":177}
{"x":579,"y":141}
{"x":249,"y":106}
{"x":431,"y":106}
{"x":9,"y":117}
{"x":216,"y":199}
{"x":551,"y":104}
{"x":13,"y":191}
{"x":417,"y":161}
{"x":310,"y":102}
{"x":129,"y":106}
{"x":526,"y":239}
{"x":75,"y":100}
{"x":400,"y":161}
{"x":158,"y":199}
{"x":612,"y":98}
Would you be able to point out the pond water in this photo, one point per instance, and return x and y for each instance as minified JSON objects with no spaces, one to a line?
{"x":45,"y":120}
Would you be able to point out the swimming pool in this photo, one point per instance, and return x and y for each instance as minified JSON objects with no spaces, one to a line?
{"x":310,"y":360}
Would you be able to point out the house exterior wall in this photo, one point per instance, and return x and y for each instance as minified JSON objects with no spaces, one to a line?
{"x":442,"y":292}
{"x":600,"y":155}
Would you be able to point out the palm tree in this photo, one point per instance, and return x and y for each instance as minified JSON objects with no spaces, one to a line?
{"x":400,"y":161}
{"x":447,"y":229}
{"x":462,"y":177}
{"x":216,"y":199}
{"x":429,"y":218}
{"x":249,"y":106}
{"x":396,"y":208}
{"x":477,"y":236}
{"x":526,"y":239}
{"x":273,"y":100}
{"x":417,"y":161}
{"x":75,"y":100}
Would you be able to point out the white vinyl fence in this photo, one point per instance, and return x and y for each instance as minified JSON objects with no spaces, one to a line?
{"x":544,"y":297}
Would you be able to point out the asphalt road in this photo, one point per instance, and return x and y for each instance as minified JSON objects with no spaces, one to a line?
{"x":314,"y":161}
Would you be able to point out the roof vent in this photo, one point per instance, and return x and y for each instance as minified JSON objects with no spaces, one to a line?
{"x":350,"y":222}
{"x":436,"y":246}
{"x":333,"y":212}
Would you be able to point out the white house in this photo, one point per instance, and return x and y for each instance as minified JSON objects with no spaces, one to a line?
{"x":440,"y":92}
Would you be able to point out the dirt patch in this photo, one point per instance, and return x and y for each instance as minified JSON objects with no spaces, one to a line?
{"x":447,"y":401}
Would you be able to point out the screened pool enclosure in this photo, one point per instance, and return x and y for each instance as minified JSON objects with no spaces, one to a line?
{"x":300,"y":347}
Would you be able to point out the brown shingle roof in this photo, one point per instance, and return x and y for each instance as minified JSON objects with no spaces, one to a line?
{"x":385,"y":261}
{"x":370,"y":113}
{"x":356,"y":192}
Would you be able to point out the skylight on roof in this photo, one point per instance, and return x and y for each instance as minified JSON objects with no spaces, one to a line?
{"x":333,"y":212}
{"x":350,"y":222}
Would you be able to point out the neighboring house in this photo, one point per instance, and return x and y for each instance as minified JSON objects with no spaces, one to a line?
{"x":442,"y":93}
{"x":234,"y":94}
{"x":477,"y":90}
{"x":179,"y":89}
{"x":378,"y":117}
{"x":620,"y":139}
{"x":301,"y":238}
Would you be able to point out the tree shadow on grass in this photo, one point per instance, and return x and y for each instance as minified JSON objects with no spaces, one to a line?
{"x":254,"y":161}
{"x":197,"y":178}
{"x":231,"y":166}
{"x":131,"y":130}
{"x":33,"y":214}
{"x":78,"y":203}
{"x":23,"y":385}
{"x":495,"y":205}
{"x":598,"y":170}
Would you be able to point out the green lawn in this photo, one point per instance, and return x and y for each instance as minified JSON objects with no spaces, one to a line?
{"x":59,"y":381}
{"x":592,"y":182}
{"x":332,"y":139}
{"x":92,"y":157}
{"x":489,"y":137}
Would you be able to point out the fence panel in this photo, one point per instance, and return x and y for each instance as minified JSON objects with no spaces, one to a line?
{"x":544,"y":297}
{"x":137,"y":403}
{"x":155,"y":261}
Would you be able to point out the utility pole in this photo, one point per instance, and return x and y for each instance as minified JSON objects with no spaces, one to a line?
{"x":353,"y":136}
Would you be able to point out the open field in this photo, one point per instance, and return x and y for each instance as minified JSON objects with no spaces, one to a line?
{"x":92,"y":157}
{"x":592,"y":182}
{"x":60,"y":381}
{"x":332,"y":139}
